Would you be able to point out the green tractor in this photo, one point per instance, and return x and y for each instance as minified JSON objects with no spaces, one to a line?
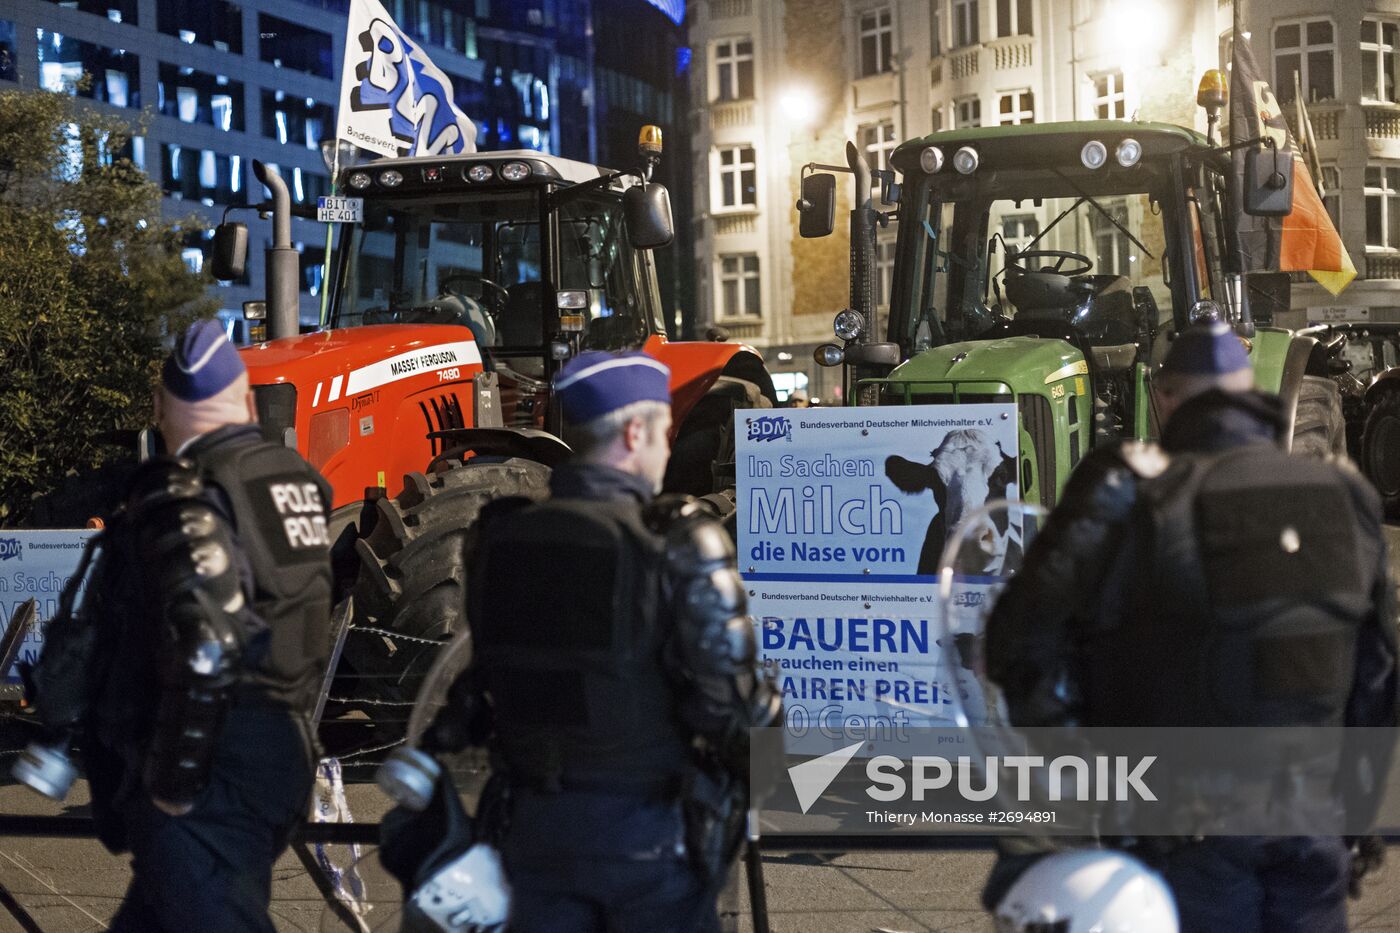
{"x":1050,"y":265}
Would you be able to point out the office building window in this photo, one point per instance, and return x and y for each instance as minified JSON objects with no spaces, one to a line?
{"x":876,"y":42}
{"x":118,"y":11}
{"x":739,"y":286}
{"x":937,"y":121}
{"x":1383,"y":207}
{"x":965,"y":26}
{"x":1015,"y":107}
{"x":217,"y":23}
{"x":296,"y":121}
{"x":1378,"y":45}
{"x":1110,"y":100}
{"x":734,"y":69}
{"x":1018,"y":231}
{"x":1013,"y":17}
{"x":738,"y":178}
{"x":936,"y":28}
{"x":1305,"y":50}
{"x":196,"y":97}
{"x":203,"y":175}
{"x":290,"y":45}
{"x":967,"y":113}
{"x":115,"y":73}
{"x":7,"y":51}
{"x":877,"y":142}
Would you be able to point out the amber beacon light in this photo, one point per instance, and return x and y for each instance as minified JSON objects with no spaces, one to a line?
{"x":649,"y":141}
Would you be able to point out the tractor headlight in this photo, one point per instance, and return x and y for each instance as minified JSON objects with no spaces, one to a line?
{"x":966,"y":160}
{"x":931,"y":159}
{"x":829,"y":354}
{"x":848,"y":324}
{"x":515,"y":171}
{"x":391,"y":178}
{"x":360,"y":181}
{"x":1093,"y":155}
{"x":479,"y":173}
{"x":1128,"y":153}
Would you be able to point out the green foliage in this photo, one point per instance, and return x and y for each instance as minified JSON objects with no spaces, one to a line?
{"x":91,"y":282}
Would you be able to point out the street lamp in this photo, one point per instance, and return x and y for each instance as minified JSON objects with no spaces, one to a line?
{"x":798,"y":106}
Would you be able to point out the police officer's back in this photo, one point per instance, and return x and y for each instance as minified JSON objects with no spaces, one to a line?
{"x":1214,"y":581}
{"x":210,"y":604}
{"x":610,"y":636}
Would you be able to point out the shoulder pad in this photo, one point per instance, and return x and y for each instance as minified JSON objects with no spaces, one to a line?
{"x":695,"y":539}
{"x":1148,"y":460}
{"x":666,"y":511}
{"x":162,"y":480}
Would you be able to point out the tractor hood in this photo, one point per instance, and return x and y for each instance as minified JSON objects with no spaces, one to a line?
{"x":360,"y":358}
{"x":1025,"y":364}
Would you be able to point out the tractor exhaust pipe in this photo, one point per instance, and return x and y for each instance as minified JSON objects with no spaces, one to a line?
{"x":283,"y":315}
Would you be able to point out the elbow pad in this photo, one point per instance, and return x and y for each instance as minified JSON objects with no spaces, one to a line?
{"x":714,"y":647}
{"x":194,"y":582}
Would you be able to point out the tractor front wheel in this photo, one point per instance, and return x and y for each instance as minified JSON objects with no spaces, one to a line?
{"x":1319,"y":429}
{"x":1380,"y":450}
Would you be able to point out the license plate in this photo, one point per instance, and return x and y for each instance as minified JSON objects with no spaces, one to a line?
{"x":340,"y":210}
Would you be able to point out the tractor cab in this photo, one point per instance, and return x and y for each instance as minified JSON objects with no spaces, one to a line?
{"x":531,"y":253}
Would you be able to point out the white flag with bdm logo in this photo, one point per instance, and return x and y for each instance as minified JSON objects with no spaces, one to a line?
{"x":393,"y":100}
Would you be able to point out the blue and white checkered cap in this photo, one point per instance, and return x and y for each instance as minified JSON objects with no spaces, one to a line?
{"x":595,"y":383}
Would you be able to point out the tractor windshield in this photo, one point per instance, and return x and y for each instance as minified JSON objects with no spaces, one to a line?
{"x":477,"y":261}
{"x":1091,"y":250}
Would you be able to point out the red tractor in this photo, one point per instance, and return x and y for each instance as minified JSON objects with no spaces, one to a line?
{"x":458,"y":286}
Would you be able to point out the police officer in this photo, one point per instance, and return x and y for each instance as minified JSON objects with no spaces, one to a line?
{"x":612,"y":643}
{"x":1156,"y":562}
{"x":214,"y":587}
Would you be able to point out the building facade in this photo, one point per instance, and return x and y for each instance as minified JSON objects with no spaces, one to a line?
{"x":222,"y":83}
{"x":779,"y":85}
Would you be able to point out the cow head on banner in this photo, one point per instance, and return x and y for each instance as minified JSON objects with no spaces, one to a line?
{"x":396,"y":75}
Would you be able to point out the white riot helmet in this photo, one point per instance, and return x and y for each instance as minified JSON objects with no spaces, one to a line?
{"x":467,"y":895}
{"x":1088,"y":891}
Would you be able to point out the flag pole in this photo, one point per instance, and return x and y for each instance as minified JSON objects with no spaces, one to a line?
{"x":326,"y":257}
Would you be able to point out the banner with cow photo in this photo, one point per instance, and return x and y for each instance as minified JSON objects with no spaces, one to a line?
{"x":843,"y":514}
{"x":393,"y":100}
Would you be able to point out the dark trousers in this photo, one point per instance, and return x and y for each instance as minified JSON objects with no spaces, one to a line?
{"x":1260,"y":885}
{"x":601,"y":863}
{"x":211,"y":870}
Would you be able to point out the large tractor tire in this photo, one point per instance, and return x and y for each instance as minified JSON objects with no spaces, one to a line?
{"x":1319,"y":429}
{"x":412,"y":576}
{"x":707,"y":437}
{"x":1380,"y":450}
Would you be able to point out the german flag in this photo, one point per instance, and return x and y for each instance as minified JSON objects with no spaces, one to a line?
{"x":1306,"y":240}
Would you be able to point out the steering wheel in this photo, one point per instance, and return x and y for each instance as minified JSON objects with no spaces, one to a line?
{"x":498,"y":290}
{"x":1082,"y":265}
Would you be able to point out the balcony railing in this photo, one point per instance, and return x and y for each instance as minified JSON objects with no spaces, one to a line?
{"x":726,"y":9}
{"x":742,"y":328}
{"x":1383,"y":267}
{"x":965,"y":63}
{"x":1382,"y":121}
{"x":730,"y":224}
{"x":1013,"y":53}
{"x":731,"y":113}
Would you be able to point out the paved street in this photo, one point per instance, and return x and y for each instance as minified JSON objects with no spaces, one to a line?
{"x":74,"y":886}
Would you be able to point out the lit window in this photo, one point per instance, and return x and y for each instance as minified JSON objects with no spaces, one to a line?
{"x":1383,"y":207}
{"x":967,"y":112}
{"x":734,"y":69}
{"x":965,"y":26}
{"x":1113,"y":249}
{"x":876,"y":42}
{"x":187,"y":104}
{"x":1110,"y":101}
{"x":1305,"y":52}
{"x":1017,"y":232}
{"x":187,"y":36}
{"x":738,"y":177}
{"x":740,"y":286}
{"x":1378,"y":60}
{"x":1016,"y":107}
{"x":1013,"y":17}
{"x":877,"y":142}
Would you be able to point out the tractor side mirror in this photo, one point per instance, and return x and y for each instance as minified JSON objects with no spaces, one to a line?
{"x":647,"y":209}
{"x":1268,"y":182}
{"x":229,"y":259}
{"x":817,"y":207}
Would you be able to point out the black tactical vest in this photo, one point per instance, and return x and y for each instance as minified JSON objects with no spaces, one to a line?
{"x":280,"y":508}
{"x":1236,"y":599}
{"x":563,"y":606}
